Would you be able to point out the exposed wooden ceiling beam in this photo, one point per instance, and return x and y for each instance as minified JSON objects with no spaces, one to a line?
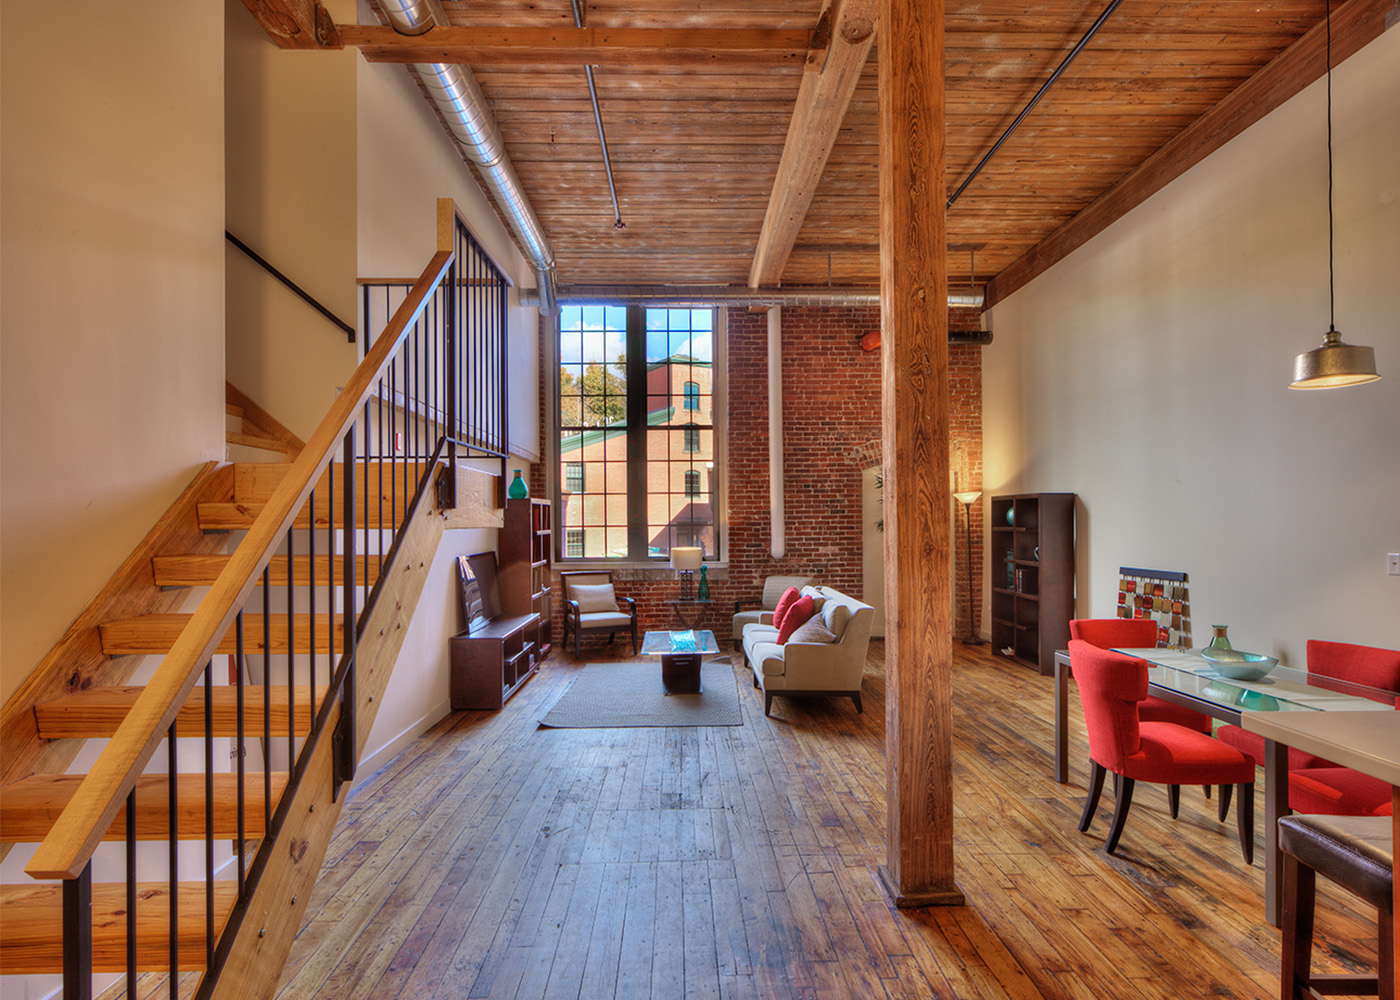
{"x":295,"y":24}
{"x":829,"y":81}
{"x":1354,"y":24}
{"x":660,"y":47}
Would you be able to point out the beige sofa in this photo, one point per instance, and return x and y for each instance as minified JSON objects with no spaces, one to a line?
{"x":773,"y":588}
{"x":799,"y":669}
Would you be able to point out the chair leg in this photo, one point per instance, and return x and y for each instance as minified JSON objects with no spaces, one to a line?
{"x":855,"y":697}
{"x":767,"y":703}
{"x":1096,"y":773}
{"x":1206,"y":790}
{"x":1174,"y":800}
{"x":635,"y":647}
{"x":1299,"y":885}
{"x":1244,"y":818}
{"x":1385,"y":967}
{"x":1120,"y":814}
{"x":1225,"y":791}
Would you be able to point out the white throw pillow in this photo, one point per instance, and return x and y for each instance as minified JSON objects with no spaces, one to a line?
{"x":836,"y":615}
{"x":593,"y":597}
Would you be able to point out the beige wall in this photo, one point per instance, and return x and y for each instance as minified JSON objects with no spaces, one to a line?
{"x":113,"y":277}
{"x":291,"y":126}
{"x":1147,"y":373}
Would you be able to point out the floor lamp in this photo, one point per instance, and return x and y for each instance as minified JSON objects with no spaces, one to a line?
{"x":967,"y":500}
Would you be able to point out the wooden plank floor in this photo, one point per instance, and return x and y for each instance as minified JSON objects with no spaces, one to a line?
{"x":497,"y":859}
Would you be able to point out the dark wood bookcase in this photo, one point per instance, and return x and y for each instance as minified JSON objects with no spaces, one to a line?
{"x":1032,"y":567}
{"x":490,"y":664}
{"x":525,"y":549}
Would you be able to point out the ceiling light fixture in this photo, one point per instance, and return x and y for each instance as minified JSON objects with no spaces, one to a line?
{"x":1334,"y":364}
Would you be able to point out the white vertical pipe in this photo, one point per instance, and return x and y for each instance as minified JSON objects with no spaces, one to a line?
{"x":775,"y":430}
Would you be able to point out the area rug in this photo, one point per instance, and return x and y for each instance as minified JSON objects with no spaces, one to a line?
{"x":620,"y":695}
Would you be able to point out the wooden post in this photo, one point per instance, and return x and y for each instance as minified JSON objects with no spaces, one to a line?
{"x":918,"y":869}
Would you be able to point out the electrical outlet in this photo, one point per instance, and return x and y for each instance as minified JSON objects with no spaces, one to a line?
{"x":1392,"y":564}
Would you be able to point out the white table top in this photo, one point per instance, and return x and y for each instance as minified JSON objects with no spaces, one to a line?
{"x":1369,"y":742}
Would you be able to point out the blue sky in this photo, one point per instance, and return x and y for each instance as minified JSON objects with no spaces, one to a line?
{"x":596,"y":333}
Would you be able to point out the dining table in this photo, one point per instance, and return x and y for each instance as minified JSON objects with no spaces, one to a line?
{"x":1184,"y":677}
{"x":1365,"y":741}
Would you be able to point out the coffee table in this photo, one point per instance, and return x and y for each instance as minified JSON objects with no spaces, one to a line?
{"x":680,"y":654}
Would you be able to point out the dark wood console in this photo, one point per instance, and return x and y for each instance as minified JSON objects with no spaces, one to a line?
{"x":490,"y":664}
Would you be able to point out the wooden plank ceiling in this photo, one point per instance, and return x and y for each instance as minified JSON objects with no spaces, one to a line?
{"x":697,"y":99}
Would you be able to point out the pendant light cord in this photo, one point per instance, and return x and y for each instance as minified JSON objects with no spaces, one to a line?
{"x":1331,"y":226}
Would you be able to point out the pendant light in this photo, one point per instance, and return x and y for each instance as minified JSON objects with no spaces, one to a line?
{"x":1334,"y":363}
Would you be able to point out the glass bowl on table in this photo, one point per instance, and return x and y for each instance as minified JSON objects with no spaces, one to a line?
{"x":1239,"y":665}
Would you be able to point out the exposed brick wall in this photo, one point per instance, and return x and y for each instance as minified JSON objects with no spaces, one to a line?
{"x":831,"y":417}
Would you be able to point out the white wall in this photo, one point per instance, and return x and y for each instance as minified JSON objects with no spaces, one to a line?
{"x":112,"y":327}
{"x":1147,"y":372}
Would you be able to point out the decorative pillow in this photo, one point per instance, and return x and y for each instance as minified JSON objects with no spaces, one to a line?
{"x":796,"y":615}
{"x":593,"y":597}
{"x":818,"y":598}
{"x":788,"y":599}
{"x":812,"y":630}
{"x":836,"y":615}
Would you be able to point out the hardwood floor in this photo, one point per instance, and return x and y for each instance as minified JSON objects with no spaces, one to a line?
{"x":496,"y":859}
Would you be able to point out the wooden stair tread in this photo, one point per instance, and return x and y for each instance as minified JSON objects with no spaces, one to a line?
{"x":97,"y":712}
{"x":150,"y":634}
{"x":255,"y":482}
{"x":255,"y":441}
{"x":203,"y":570}
{"x":234,"y":410}
{"x":29,"y":807}
{"x":240,"y":516}
{"x":32,"y":919}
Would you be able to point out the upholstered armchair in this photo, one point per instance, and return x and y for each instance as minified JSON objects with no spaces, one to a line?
{"x":760,"y":610}
{"x":591,"y":605}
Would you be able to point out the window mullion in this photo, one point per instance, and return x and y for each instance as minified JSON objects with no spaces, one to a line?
{"x":636,"y":433}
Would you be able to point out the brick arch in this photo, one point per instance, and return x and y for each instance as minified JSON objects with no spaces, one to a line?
{"x":867,"y":455}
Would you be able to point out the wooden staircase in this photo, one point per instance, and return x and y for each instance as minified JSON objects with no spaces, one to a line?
{"x":266,"y":795}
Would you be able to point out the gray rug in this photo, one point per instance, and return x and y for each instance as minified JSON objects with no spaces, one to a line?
{"x":618,"y":695}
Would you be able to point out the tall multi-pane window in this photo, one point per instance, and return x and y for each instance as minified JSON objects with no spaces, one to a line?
{"x":631,"y":458}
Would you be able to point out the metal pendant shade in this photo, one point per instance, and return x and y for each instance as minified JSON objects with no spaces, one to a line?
{"x":1333,"y":365}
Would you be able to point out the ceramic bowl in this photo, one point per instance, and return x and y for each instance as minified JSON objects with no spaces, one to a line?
{"x":1237,"y":665}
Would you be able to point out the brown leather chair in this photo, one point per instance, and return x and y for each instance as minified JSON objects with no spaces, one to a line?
{"x":592,"y":605}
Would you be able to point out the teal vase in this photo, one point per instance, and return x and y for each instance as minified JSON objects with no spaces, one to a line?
{"x":518,"y":490}
{"x":702,"y":591}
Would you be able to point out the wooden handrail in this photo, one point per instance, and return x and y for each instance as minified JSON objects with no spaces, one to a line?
{"x":70,"y":843}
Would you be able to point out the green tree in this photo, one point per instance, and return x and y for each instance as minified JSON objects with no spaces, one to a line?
{"x":597,"y":399}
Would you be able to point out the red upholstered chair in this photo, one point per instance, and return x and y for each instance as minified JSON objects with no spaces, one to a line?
{"x":1137,"y":633}
{"x":1337,"y":791}
{"x":1368,"y":665}
{"x":1111,"y":686}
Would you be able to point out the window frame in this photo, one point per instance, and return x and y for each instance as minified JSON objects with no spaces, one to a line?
{"x":637,"y":514}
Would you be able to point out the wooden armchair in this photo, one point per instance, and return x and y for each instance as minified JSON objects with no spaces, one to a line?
{"x":591,"y":605}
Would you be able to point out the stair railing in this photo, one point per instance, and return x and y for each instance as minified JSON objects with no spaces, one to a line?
{"x":362,"y":475}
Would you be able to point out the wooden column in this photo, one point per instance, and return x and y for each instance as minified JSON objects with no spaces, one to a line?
{"x":918,"y":868}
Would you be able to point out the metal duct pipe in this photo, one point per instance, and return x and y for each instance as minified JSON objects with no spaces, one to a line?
{"x":459,"y":98}
{"x":706,"y":295}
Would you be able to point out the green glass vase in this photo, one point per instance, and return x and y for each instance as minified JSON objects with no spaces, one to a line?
{"x":518,"y":490}
{"x":702,"y":591}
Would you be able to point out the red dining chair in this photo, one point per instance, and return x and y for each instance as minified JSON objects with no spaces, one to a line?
{"x":1368,"y":665}
{"x":1111,"y":686}
{"x":1137,"y":633}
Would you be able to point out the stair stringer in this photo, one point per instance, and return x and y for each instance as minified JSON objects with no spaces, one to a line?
{"x":264,"y":930}
{"x":76,"y":662}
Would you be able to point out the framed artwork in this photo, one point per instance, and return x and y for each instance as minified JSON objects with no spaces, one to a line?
{"x":1161,"y":595}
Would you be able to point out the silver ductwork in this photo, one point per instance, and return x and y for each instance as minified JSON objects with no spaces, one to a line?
{"x":463,"y":106}
{"x":727,"y":295}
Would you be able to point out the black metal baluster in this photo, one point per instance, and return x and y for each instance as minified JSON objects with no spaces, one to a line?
{"x":77,"y":936}
{"x":130,"y":892}
{"x":241,"y":752}
{"x":173,"y":801}
{"x":209,"y":815}
{"x":330,"y":573}
{"x":311,"y":593}
{"x":267,"y":701}
{"x":291,"y":666}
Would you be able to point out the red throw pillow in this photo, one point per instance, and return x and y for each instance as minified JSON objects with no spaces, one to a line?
{"x":788,"y":599}
{"x":796,"y":617}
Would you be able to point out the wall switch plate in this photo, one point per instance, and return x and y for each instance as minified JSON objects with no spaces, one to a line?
{"x":1392,"y":564}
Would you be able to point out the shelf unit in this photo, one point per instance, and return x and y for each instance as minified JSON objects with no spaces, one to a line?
{"x":526,"y":551}
{"x":489,"y":665}
{"x":1032,"y":566}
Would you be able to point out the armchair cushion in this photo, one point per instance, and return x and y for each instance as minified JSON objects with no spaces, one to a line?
{"x":593,"y":598}
{"x":796,"y":616}
{"x":835,"y":616}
